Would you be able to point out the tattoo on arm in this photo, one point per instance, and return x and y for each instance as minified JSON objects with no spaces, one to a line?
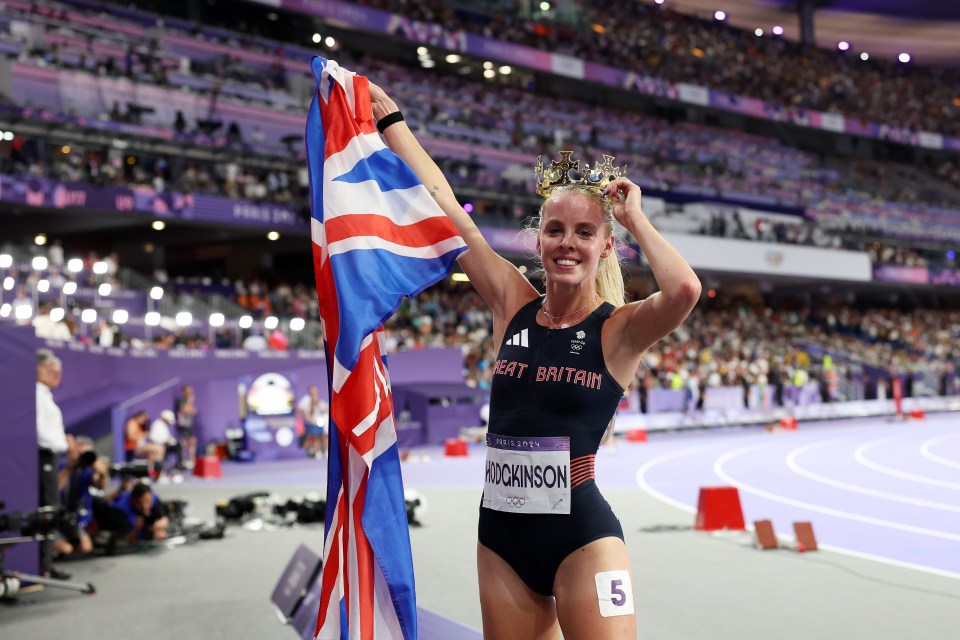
{"x":433,"y":192}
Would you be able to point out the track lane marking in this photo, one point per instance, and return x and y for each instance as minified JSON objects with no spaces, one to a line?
{"x":890,"y":471}
{"x":792,"y":464}
{"x":839,"y":513}
{"x":925,"y":451}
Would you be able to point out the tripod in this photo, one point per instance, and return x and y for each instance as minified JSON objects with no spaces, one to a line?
{"x":11,"y":582}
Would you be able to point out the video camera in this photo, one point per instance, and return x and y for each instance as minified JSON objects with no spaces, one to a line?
{"x":39,"y":522}
{"x":127,"y":470}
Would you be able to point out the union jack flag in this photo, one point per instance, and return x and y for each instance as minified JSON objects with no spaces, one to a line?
{"x":378,"y":236}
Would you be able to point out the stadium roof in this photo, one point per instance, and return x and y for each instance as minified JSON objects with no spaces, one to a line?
{"x":929,"y":30}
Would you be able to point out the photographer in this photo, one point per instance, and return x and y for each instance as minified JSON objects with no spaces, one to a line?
{"x":146,"y":514}
{"x":52,"y":442}
{"x":81,"y":473}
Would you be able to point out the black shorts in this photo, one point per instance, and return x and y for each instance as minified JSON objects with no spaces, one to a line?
{"x":534,"y":545}
{"x":185,"y":433}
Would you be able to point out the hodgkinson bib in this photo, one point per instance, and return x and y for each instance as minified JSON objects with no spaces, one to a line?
{"x":527,"y":475}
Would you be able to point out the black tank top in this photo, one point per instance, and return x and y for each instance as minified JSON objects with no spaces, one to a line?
{"x":554,"y":382}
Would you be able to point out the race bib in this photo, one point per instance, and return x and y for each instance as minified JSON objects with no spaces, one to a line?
{"x":527,"y":475}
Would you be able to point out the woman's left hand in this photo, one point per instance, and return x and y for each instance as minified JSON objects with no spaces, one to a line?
{"x":625,"y":196}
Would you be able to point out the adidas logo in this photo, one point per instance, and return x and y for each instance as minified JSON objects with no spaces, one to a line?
{"x":519,"y":339}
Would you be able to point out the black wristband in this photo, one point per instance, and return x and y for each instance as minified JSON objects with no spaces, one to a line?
{"x":389,"y":119}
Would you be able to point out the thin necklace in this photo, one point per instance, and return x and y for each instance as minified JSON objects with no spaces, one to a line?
{"x":553,"y":319}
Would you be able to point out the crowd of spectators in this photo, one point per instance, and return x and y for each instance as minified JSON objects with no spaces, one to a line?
{"x":667,"y":156}
{"x":657,"y":41}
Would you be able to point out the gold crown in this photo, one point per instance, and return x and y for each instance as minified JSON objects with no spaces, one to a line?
{"x":566,"y":172}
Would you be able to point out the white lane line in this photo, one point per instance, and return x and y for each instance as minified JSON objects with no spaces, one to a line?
{"x":650,"y":464}
{"x":641,"y":480}
{"x":876,"y":493}
{"x":890,"y":561}
{"x":839,"y":513}
{"x":925,"y":451}
{"x":890,"y":471}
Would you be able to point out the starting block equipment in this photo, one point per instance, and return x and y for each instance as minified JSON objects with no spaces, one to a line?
{"x":806,"y":541}
{"x":764,"y":535}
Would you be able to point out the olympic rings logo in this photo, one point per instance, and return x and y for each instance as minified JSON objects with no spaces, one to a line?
{"x":514,"y":501}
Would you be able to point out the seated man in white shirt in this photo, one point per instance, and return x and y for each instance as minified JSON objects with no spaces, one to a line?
{"x":161,"y":433}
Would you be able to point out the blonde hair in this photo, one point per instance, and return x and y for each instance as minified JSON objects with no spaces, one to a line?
{"x":609,"y":281}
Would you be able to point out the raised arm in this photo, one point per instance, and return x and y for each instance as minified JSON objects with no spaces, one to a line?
{"x":641,"y":324}
{"x":501,"y":285}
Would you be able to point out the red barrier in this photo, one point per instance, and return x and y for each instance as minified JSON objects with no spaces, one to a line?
{"x":208,"y":467}
{"x":719,"y":508}
{"x":788,"y":424}
{"x":898,"y":397}
{"x":455,"y":447}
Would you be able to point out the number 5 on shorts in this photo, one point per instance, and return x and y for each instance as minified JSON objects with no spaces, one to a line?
{"x":615,"y":593}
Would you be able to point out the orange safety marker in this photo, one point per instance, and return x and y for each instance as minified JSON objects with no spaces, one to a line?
{"x":719,"y":508}
{"x":806,"y":541}
{"x":764,"y":535}
{"x":637,"y":435}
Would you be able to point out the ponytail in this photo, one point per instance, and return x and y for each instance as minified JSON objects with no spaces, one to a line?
{"x":610,"y":280}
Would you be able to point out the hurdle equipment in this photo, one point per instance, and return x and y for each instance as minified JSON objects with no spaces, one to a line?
{"x":719,"y":508}
{"x":806,"y":541}
{"x":764,"y":536}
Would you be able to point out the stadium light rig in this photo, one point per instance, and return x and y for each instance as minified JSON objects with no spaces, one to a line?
{"x":156,"y":293}
{"x":23,"y":312}
{"x":159,"y":225}
{"x":8,"y":283}
{"x":864,"y":56}
{"x":152,"y":319}
{"x":245,"y":322}
{"x":297,"y":324}
{"x":120,"y":316}
{"x":720,"y":15}
{"x":43,"y":285}
{"x":216,"y":319}
{"x":39,"y":263}
{"x":88,"y":316}
{"x":56,"y":314}
{"x":69,"y":288}
{"x":74,"y":265}
{"x":6,"y":260}
{"x":271,"y":323}
{"x":843,"y":45}
{"x":104,"y":290}
{"x":777,"y":30}
{"x":183,"y":318}
{"x":40,"y":239}
{"x":904,"y":58}
{"x":100,"y":267}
